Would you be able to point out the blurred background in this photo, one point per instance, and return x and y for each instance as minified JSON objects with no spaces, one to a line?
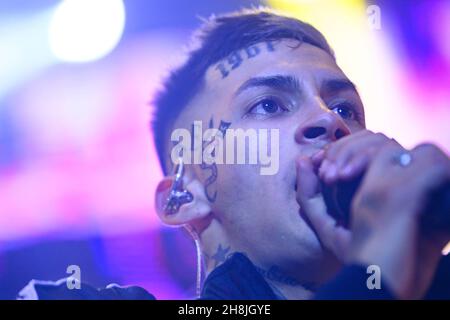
{"x":77,"y":163}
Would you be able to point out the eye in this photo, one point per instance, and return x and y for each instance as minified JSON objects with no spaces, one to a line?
{"x":345,"y":110}
{"x":267,"y":106}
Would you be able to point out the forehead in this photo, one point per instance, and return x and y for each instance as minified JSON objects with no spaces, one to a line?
{"x":285,"y":57}
{"x":288,"y":57}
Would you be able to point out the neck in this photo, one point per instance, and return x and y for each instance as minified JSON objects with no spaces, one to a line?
{"x":216,"y":250}
{"x":285,"y":286}
{"x":214,"y":246}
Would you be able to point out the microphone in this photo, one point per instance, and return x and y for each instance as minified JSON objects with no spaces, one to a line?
{"x":435,"y":215}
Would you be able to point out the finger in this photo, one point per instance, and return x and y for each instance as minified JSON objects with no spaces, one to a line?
{"x":408,"y":185}
{"x":307,"y":181}
{"x":317,"y":158}
{"x":434,"y":166}
{"x":333,"y":149}
{"x":338,"y":153}
{"x":313,"y":206}
{"x":374,"y":191}
{"x":430,"y":153}
{"x":356,"y":166}
{"x":352,"y":156}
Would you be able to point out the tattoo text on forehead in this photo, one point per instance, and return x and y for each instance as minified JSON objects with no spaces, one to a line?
{"x":235,"y":59}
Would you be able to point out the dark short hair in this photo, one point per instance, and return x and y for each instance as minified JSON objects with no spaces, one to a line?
{"x":219,"y":37}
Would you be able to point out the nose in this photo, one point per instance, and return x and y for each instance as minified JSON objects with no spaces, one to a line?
{"x":326,"y":126}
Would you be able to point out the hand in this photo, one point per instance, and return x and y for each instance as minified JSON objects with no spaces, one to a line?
{"x":408,"y":259}
{"x":348,"y":157}
{"x":344,"y":159}
{"x":386,"y":215}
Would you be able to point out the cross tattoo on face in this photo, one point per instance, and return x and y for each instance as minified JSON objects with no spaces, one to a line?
{"x":212,"y":194}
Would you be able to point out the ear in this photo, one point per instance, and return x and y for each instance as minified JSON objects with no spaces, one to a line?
{"x":195,"y":210}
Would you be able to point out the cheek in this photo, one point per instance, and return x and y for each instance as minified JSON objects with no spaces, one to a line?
{"x":252,"y":206}
{"x":356,"y":127}
{"x":237,"y":182}
{"x":242,"y":188}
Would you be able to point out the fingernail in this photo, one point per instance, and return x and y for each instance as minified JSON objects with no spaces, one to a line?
{"x":347,"y":170}
{"x":331,"y":172}
{"x":340,"y":165}
{"x":318,"y":155}
{"x":318,"y":158}
{"x":323,"y":168}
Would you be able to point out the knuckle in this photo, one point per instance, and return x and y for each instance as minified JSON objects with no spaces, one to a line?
{"x":381,"y":136}
{"x":389,"y":147}
{"x":431,"y":153}
{"x":425,"y":148}
{"x":394,"y":142}
{"x":364,"y":132}
{"x":379,"y":139}
{"x":329,"y":226}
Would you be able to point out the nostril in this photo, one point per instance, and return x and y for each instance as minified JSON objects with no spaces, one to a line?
{"x":314,"y":132}
{"x":339,"y":134}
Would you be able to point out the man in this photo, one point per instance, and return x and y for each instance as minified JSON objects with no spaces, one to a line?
{"x":258,"y":70}
{"x":271,"y":236}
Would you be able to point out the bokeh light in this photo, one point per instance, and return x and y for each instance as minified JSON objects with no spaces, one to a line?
{"x":85,"y":30}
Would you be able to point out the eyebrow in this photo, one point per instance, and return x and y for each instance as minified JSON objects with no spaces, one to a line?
{"x":336,"y":85}
{"x":290,"y":83}
{"x":279,"y":82}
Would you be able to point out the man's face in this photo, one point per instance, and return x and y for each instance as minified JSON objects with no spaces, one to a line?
{"x":299,"y":90}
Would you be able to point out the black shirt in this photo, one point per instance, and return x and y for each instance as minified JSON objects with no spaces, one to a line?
{"x":238,"y":279}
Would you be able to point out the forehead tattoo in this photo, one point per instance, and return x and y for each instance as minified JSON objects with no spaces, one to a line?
{"x":235,"y":59}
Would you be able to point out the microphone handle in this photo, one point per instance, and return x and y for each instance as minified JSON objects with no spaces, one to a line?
{"x":435,"y":216}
